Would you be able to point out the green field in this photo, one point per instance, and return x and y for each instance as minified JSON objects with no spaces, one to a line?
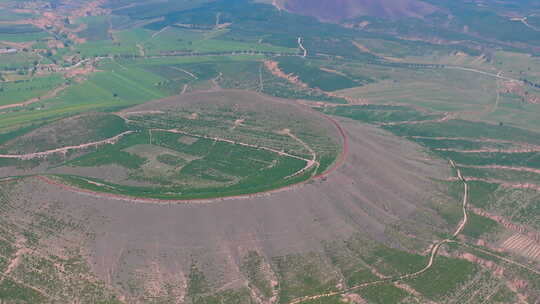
{"x":23,"y":90}
{"x":187,"y":85}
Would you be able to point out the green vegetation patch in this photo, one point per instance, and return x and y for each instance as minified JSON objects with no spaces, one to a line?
{"x":478,"y":225}
{"x":23,"y":90}
{"x":481,"y":194}
{"x":314,"y":77}
{"x":528,"y":159}
{"x":20,"y":33}
{"x":390,"y":261}
{"x":97,"y":28}
{"x":67,"y":132}
{"x":468,"y":129}
{"x":379,"y":113}
{"x":114,"y":154}
{"x":17,"y":293}
{"x":383,"y":294}
{"x":446,"y":276}
{"x":253,"y":267}
{"x":303,"y":275}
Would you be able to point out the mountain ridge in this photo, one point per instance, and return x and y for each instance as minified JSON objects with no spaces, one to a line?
{"x":338,"y":10}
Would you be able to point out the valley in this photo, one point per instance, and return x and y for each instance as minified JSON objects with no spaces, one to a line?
{"x":238,"y":151}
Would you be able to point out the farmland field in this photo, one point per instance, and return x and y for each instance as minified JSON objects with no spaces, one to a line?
{"x":269,"y":152}
{"x":193,"y":147}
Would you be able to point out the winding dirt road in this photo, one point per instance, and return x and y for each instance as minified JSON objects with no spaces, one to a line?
{"x":498,"y":76}
{"x":432,"y":252}
{"x":431,"y":260}
{"x":309,"y":162}
{"x":337,"y":164}
{"x":301,"y":46}
{"x":64,"y":150}
{"x":48,"y":95}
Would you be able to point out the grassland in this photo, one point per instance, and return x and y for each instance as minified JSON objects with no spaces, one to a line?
{"x":67,"y":132}
{"x":434,"y":89}
{"x":39,"y":275}
{"x":197,"y":147}
{"x":309,"y":73}
{"x":23,"y":90}
{"x":21,"y":33}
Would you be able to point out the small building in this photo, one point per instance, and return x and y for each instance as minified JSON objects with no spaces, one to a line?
{"x":8,"y":51}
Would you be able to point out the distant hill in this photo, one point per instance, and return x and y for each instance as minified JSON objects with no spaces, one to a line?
{"x":337,"y":10}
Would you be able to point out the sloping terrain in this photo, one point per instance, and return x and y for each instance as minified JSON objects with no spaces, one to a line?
{"x":156,"y":252}
{"x":135,"y":169}
{"x":199,"y":145}
{"x":70,"y":131}
{"x":339,"y":10}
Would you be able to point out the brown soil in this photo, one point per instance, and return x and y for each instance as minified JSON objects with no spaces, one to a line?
{"x":518,"y":169}
{"x":501,"y":220}
{"x":505,"y":184}
{"x":519,"y":88}
{"x":67,"y":149}
{"x":446,"y":117}
{"x":373,"y":186}
{"x":273,"y":67}
{"x":523,"y":245}
{"x":352,"y":298}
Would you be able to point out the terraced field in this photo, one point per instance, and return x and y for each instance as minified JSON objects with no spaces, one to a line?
{"x":230,"y":151}
{"x":203,"y":145}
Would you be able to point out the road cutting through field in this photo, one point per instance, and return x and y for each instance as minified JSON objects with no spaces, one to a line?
{"x":64,"y":150}
{"x":340,"y":160}
{"x":432,"y":252}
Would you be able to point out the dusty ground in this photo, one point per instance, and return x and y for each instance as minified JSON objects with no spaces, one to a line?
{"x":384,"y":179}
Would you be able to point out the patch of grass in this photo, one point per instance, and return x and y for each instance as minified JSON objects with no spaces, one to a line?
{"x":197,"y":283}
{"x":67,"y":132}
{"x":446,"y":276}
{"x":23,"y":90}
{"x":239,"y":296}
{"x":481,"y":193}
{"x":448,"y":144}
{"x":113,"y":154}
{"x":390,"y":261}
{"x":374,"y":113}
{"x":171,"y":160}
{"x":253,"y":268}
{"x":504,"y":295}
{"x":97,"y":28}
{"x":21,"y":33}
{"x":15,"y":293}
{"x":383,"y":294}
{"x":11,"y":134}
{"x":479,"y":225}
{"x":467,"y":129}
{"x":314,"y":77}
{"x":529,"y":159}
{"x":302,"y":275}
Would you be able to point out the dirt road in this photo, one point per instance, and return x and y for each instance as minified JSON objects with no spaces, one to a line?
{"x":338,"y":163}
{"x":432,"y":252}
{"x":431,"y":260}
{"x":302,"y":48}
{"x":64,"y":150}
{"x":481,"y":72}
{"x":48,"y":95}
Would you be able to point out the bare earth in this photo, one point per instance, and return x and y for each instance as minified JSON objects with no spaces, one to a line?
{"x":384,"y":179}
